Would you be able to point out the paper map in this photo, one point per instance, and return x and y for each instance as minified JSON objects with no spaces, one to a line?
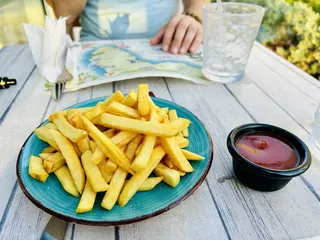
{"x":115,"y":60}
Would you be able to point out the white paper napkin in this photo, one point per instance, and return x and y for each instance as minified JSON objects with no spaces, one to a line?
{"x":55,"y":54}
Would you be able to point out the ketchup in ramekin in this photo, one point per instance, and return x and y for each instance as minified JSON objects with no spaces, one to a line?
{"x":267,"y":151}
{"x":266,"y":157}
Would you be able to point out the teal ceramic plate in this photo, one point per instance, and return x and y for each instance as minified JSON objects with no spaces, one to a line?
{"x":51,"y":197}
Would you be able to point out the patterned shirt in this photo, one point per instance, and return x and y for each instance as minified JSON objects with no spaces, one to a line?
{"x":125,"y":19}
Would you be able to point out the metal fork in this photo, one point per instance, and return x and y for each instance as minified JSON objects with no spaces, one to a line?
{"x":57,"y":90}
{"x":58,"y":87}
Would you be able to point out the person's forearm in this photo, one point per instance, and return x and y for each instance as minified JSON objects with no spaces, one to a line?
{"x":71,"y":8}
{"x":194,"y":6}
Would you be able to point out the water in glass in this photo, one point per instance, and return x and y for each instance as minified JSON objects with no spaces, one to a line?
{"x":229,"y":34}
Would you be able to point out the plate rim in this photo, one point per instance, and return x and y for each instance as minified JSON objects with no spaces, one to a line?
{"x":125,"y":221}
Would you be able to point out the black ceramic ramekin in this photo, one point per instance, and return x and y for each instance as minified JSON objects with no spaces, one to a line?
{"x":261,"y":178}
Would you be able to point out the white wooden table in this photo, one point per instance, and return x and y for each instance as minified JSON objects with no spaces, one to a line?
{"x":272,"y":91}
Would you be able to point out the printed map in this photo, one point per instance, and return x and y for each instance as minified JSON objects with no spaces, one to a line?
{"x":109,"y":61}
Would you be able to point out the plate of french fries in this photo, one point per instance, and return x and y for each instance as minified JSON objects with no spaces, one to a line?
{"x":115,"y":160}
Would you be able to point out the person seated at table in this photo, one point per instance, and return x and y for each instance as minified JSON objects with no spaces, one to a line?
{"x":159,"y":20}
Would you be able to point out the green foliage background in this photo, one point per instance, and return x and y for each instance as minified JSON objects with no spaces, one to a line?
{"x":291,"y":28}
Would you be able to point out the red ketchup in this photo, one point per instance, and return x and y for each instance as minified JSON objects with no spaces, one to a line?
{"x":267,"y":151}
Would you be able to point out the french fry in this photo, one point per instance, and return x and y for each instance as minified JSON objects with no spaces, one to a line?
{"x":165,"y":110}
{"x":107,"y":146}
{"x":167,"y":162}
{"x":64,"y":113}
{"x":148,"y":184}
{"x":136,"y":181}
{"x":76,"y":149}
{"x":162,"y":113}
{"x":148,"y":128}
{"x":116,"y":96}
{"x":132,"y":147}
{"x":72,"y":160}
{"x":131,"y":99}
{"x":119,"y":177}
{"x":77,"y":110}
{"x":181,"y":141}
{"x":170,"y":176}
{"x":97,"y":156}
{"x":191,"y":156}
{"x":179,"y":134}
{"x":64,"y":176}
{"x":54,"y":162}
{"x":138,"y":150}
{"x":45,"y":155}
{"x":122,"y":110}
{"x":147,"y":145}
{"x":110,"y":166}
{"x":116,"y":184}
{"x":107,"y":176}
{"x":166,"y":119}
{"x":44,"y":134}
{"x":36,"y":169}
{"x":49,"y":149}
{"x":185,"y":132}
{"x":123,"y":149}
{"x":94,"y":111}
{"x":143,"y":99}
{"x":152,"y":104}
{"x":93,"y":145}
{"x":181,"y":173}
{"x":111,"y":196}
{"x":93,"y":173}
{"x":158,"y":141}
{"x":87,"y":199}
{"x":67,"y":129}
{"x":110,"y":132}
{"x":71,"y":113}
{"x":83,"y":145}
{"x":74,"y":121}
{"x":175,"y":154}
{"x":50,"y":126}
{"x":102,"y":128}
{"x":172,"y":115}
{"x":143,"y":156}
{"x":123,"y":138}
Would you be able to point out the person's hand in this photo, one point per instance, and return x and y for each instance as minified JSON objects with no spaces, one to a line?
{"x":182,"y":33}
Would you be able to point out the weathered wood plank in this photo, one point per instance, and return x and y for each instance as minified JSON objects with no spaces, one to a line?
{"x":18,"y":66}
{"x":69,"y":232}
{"x":291,"y":67}
{"x":9,"y":54}
{"x":25,"y":114}
{"x":82,"y":232}
{"x":247,"y":214}
{"x":287,"y":74}
{"x":195,"y":218}
{"x":295,"y":102}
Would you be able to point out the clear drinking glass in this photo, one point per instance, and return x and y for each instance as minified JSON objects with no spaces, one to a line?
{"x":229,"y":32}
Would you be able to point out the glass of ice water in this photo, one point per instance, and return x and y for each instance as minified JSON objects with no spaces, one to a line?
{"x":229,"y":31}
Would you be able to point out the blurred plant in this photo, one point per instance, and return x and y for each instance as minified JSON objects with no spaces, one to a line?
{"x":293,"y":31}
{"x":315,"y":4}
{"x":299,"y":41}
